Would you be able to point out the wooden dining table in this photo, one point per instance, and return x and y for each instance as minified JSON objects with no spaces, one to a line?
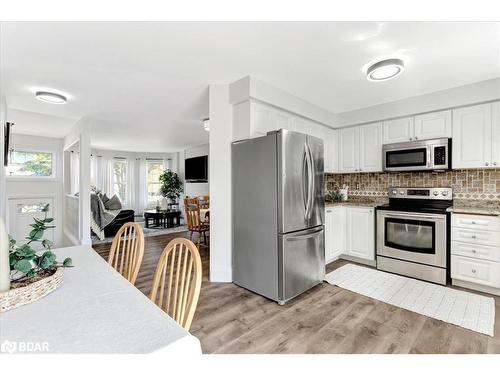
{"x":95,"y":310}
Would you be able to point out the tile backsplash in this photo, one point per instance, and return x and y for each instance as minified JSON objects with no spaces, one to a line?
{"x":466,"y":184}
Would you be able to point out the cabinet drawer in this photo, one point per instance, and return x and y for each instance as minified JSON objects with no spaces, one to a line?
{"x":476,"y":222}
{"x":476,"y":251}
{"x":475,"y":237}
{"x":476,"y":271}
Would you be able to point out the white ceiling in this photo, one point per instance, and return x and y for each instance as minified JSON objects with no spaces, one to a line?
{"x":144,"y":85}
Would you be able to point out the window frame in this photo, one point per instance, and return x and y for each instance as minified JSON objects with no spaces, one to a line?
{"x":148,"y":162}
{"x":53,"y":175}
{"x":124,"y":200}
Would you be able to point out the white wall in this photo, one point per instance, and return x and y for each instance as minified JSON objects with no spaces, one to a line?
{"x":78,"y":137}
{"x":455,"y":97}
{"x":36,"y":187}
{"x":220,"y":183}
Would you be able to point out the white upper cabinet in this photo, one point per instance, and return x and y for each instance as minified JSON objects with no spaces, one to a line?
{"x":349,"y":149}
{"x":433,"y":125}
{"x":360,"y":232}
{"x":360,"y":148}
{"x":495,"y":137}
{"x":399,"y":130}
{"x":370,"y":146}
{"x":330,"y":139}
{"x":472,"y":136}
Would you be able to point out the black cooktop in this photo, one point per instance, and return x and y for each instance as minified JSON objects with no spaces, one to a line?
{"x":417,"y":205}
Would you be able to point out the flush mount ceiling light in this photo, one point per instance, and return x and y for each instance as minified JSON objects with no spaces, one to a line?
{"x":385,"y":70}
{"x":206,"y":124}
{"x":50,"y":97}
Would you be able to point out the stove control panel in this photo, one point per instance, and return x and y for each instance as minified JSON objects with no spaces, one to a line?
{"x":421,"y":193}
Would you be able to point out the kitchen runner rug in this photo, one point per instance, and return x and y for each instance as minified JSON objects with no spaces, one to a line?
{"x":467,"y":310}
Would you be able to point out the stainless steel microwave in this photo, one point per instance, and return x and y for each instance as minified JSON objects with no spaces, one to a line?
{"x":431,"y":154}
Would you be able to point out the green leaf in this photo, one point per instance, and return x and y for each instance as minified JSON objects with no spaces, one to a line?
{"x":46,"y":208}
{"x":49,"y":220}
{"x":23,"y":266}
{"x":68,"y":262}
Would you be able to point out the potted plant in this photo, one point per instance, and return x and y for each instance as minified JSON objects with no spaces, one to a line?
{"x":171,"y":186}
{"x":33,"y":274}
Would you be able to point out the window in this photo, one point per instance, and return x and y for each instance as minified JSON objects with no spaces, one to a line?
{"x":120,"y":179}
{"x":31,"y":164}
{"x":154,"y":170}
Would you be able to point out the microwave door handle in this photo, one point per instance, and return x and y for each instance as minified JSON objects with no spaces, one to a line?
{"x":429,"y":162}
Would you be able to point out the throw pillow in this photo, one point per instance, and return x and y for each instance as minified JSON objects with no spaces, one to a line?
{"x":113,"y":203}
{"x":104,"y":197}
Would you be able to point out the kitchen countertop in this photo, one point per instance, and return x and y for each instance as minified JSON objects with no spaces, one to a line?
{"x":478,"y":207}
{"x":358,"y":202}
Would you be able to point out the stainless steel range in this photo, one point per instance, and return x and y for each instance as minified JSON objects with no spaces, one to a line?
{"x":413,"y":231}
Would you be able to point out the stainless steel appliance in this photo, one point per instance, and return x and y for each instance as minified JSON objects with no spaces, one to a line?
{"x":412,"y":233}
{"x":278,"y":214}
{"x":431,"y":154}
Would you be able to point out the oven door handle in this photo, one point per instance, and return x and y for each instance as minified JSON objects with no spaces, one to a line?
{"x":417,"y":216}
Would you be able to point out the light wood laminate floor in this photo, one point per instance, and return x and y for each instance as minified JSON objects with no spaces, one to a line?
{"x":326,"y":319}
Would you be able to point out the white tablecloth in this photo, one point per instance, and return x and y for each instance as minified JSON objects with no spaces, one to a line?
{"x":95,"y":311}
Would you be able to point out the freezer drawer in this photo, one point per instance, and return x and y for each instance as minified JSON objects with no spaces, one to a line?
{"x":302,"y":264}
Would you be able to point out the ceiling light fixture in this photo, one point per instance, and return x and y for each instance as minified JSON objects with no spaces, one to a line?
{"x":50,"y":97}
{"x":385,"y":70}
{"x":206,"y":124}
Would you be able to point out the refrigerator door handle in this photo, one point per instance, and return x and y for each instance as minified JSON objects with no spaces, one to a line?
{"x":305,"y":236}
{"x":310,"y":182}
{"x":304,"y":182}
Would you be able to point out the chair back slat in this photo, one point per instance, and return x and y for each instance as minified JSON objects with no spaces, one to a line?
{"x":180,"y":269}
{"x":127,"y":251}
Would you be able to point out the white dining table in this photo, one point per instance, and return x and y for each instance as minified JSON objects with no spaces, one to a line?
{"x":96,"y":310}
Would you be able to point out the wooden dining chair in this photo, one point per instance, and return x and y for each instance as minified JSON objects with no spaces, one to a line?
{"x":177,"y":281}
{"x":127,"y":250}
{"x":195,"y":223}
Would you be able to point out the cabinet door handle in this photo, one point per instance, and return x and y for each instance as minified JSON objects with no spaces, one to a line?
{"x":474,"y":251}
{"x":473,"y":271}
{"x":416,"y":138}
{"x":411,"y":139}
{"x":486,"y":163}
{"x":494,"y":163}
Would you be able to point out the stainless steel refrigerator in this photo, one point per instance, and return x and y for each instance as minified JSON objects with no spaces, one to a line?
{"x":278,"y":214}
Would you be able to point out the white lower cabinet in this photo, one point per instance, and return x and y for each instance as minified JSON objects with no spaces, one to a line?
{"x":334,"y":232}
{"x":350,"y":231}
{"x":360,"y":232}
{"x":475,"y":252}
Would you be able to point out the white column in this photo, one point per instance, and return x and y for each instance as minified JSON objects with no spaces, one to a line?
{"x":220,"y":184}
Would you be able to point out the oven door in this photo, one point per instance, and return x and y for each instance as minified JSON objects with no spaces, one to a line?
{"x":412,"y":236}
{"x":407,"y":159}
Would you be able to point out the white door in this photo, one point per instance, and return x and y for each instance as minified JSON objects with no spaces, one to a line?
{"x":22,"y":213}
{"x":370,"y":138}
{"x":472,"y":137}
{"x":398,"y":130}
{"x":360,"y":232}
{"x":334,"y":232}
{"x":349,"y":149}
{"x":495,"y":137}
{"x":433,"y":125}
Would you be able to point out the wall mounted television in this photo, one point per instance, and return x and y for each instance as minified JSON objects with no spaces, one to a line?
{"x":196,"y":169}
